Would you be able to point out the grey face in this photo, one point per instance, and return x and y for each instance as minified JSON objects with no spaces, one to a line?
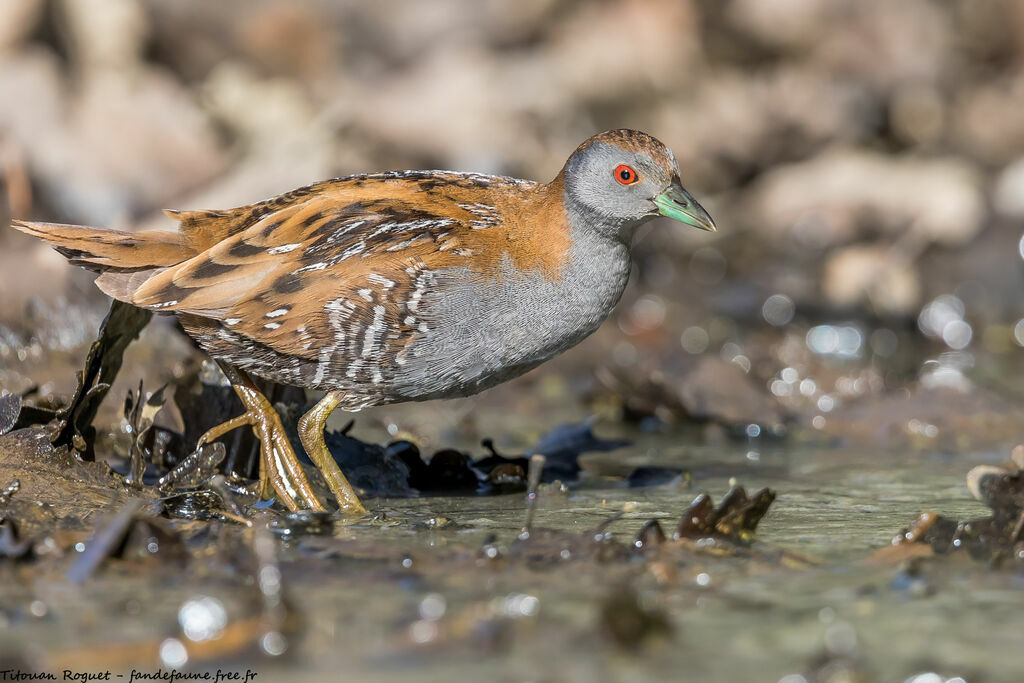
{"x":614,"y":185}
{"x":614,"y":189}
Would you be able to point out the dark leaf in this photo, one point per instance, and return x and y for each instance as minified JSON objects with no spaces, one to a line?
{"x":196,"y":469}
{"x":735,"y":518}
{"x":371,"y":467}
{"x":699,"y":518}
{"x":563,"y":445}
{"x":739,"y":514}
{"x":123,"y":324}
{"x":628,"y":622}
{"x":651,"y":535}
{"x":653,"y":476}
{"x":449,"y":470}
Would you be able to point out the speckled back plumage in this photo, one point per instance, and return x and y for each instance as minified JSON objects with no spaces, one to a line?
{"x":394,"y":286}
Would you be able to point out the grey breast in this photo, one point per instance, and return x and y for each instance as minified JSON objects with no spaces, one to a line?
{"x":479,"y":333}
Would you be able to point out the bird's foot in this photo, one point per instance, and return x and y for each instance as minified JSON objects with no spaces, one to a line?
{"x":281,"y":474}
{"x":311,"y":433}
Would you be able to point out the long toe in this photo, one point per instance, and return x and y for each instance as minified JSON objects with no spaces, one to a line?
{"x":311,"y":433}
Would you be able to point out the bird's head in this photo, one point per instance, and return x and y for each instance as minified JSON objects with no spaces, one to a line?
{"x":620,"y":179}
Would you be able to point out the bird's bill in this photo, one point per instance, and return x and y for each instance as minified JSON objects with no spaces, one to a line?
{"x":677,"y":203}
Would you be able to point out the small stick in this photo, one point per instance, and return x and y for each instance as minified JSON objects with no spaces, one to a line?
{"x":534,"y":471}
{"x":1015,"y":536}
{"x":103,"y":542}
{"x":220,"y":487}
{"x":235,"y":518}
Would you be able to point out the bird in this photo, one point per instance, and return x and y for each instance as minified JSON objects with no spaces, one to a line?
{"x":390,"y":287}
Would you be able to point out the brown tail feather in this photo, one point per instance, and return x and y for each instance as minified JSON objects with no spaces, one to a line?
{"x":124,"y":260}
{"x":104,"y":250}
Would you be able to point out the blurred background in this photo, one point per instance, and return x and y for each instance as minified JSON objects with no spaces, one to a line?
{"x":864,"y":162}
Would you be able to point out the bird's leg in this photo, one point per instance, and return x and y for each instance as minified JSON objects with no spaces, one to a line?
{"x":266,"y":489}
{"x":214,"y":433}
{"x":311,"y":433}
{"x":280,"y":470}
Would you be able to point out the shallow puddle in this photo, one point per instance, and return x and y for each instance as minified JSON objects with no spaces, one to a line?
{"x":436,"y":587}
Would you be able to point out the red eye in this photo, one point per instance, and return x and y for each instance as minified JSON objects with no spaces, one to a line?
{"x":626,"y":175}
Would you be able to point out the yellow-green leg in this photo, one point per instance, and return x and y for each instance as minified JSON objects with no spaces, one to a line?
{"x":280,"y":470}
{"x":311,"y":433}
{"x":214,"y":433}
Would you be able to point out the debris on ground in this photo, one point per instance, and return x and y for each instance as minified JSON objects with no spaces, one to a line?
{"x":995,"y":539}
{"x":629,"y":621}
{"x":712,"y":390}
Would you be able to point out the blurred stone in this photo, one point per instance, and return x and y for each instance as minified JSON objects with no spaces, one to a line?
{"x":122,"y":143}
{"x":17,"y":19}
{"x":735,"y":120}
{"x":272,"y":164}
{"x":105,"y":34}
{"x":918,"y":114}
{"x":460,"y":99}
{"x":872,"y":275}
{"x":256,"y":107}
{"x":31,"y":79}
{"x":838,"y":195}
{"x":1009,"y":190}
{"x":628,"y":622}
{"x":805,"y":20}
{"x":991,"y":31}
{"x":720,"y":391}
{"x":287,"y":38}
{"x":929,"y":419}
{"x":462,"y":93}
{"x":135,"y":143}
{"x":883,"y":44}
{"x":596,"y":51}
{"x":987,"y":120}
